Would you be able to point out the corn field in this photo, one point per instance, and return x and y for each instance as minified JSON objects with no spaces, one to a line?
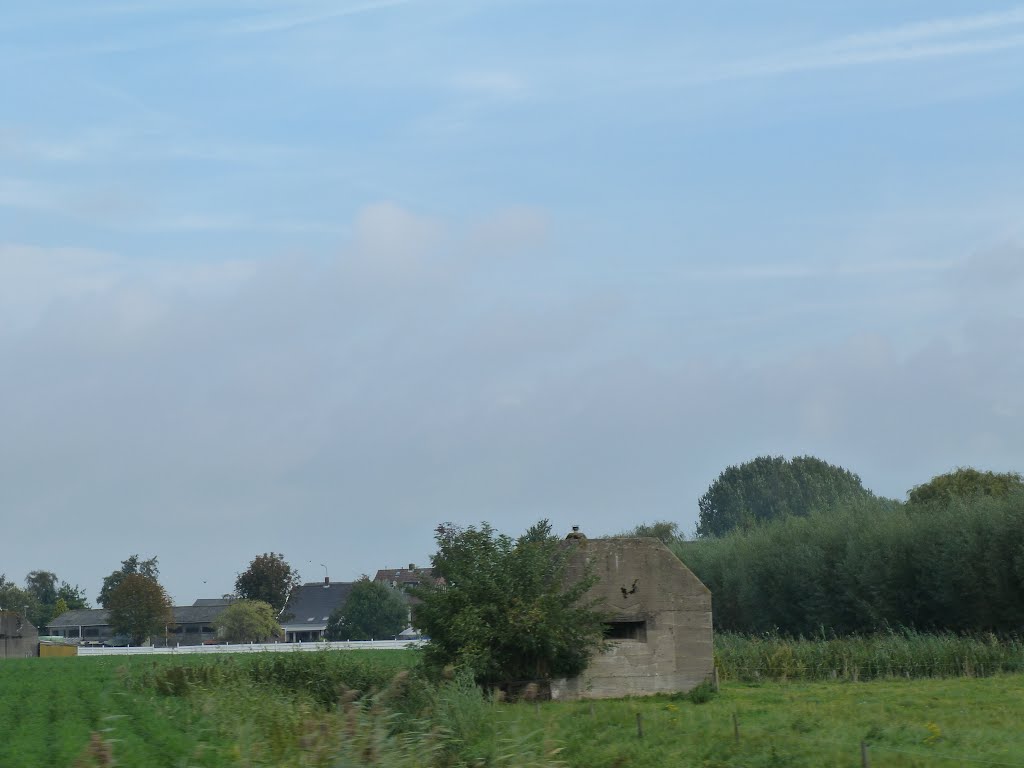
{"x":746,"y":658}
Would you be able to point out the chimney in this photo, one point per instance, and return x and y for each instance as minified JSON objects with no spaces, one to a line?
{"x":576,"y":535}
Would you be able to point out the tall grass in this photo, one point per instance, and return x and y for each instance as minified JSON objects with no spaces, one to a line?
{"x":318,"y":675}
{"x":80,"y":712}
{"x":885,"y":655}
{"x":340,"y":709}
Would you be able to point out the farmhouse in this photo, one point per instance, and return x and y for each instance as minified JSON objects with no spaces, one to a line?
{"x":18,"y":638}
{"x":659,"y":630}
{"x":89,"y":625}
{"x":192,"y":624}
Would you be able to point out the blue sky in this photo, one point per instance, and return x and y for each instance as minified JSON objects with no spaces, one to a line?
{"x":313,"y":277}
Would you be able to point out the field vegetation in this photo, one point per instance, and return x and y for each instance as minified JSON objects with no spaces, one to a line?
{"x":375,"y":709}
{"x":869,"y":657}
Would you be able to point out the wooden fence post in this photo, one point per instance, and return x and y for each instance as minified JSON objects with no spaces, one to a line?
{"x":735,"y":728}
{"x":714,"y":679}
{"x":639,"y":725}
{"x":865,"y":759}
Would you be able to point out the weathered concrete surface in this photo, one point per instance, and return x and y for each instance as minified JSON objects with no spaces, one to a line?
{"x":651,"y":595}
{"x":18,"y":638}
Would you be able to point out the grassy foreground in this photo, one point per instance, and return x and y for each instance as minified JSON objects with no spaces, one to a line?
{"x":271,"y":711}
{"x":906,"y":723}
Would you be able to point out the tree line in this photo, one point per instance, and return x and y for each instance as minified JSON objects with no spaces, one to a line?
{"x":840,"y":560}
{"x":42,"y":597}
{"x":138,"y":607}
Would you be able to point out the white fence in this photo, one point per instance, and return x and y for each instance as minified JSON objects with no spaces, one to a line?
{"x":343,"y":645}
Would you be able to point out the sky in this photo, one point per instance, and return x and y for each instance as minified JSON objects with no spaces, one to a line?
{"x":313,"y":277}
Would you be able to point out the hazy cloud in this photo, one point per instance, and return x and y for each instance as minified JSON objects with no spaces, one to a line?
{"x":337,"y":409}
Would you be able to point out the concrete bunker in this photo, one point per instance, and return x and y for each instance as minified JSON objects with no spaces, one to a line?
{"x":659,"y":623}
{"x":18,"y":638}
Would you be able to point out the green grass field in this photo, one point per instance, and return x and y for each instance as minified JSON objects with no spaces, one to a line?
{"x":906,"y":723}
{"x":49,"y":707}
{"x":269,"y":711}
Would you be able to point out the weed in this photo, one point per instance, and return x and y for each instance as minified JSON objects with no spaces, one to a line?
{"x":702,"y":693}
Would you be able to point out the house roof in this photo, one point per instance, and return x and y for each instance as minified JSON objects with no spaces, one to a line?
{"x":99,"y":617}
{"x":202,"y":601}
{"x":310,"y":605}
{"x":405,"y":576}
{"x":198,"y":614}
{"x":80,"y":617}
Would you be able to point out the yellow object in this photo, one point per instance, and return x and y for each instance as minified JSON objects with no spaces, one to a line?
{"x":53,"y":650}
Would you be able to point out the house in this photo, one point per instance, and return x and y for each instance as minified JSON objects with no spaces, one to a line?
{"x":305,"y":615}
{"x":18,"y":638}
{"x":191,"y":625}
{"x":195,"y":624}
{"x":404,"y":578}
{"x":659,"y":625}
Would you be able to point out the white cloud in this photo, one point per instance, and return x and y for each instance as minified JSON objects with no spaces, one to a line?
{"x":936,"y":38}
{"x":801,"y":271}
{"x":284,"y":22}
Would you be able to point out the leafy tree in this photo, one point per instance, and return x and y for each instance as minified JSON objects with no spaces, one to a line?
{"x":268,"y":578}
{"x":770,"y":488}
{"x":132,"y":566}
{"x":14,"y":598}
{"x":662,"y":530}
{"x":60,"y":607}
{"x":138,"y":607}
{"x":373,"y":610}
{"x":73,"y":596}
{"x":965,"y":482}
{"x":41,"y":594}
{"x":43,"y":584}
{"x":506,"y":608}
{"x":248,"y":621}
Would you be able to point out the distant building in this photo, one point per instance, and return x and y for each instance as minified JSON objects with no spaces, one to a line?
{"x":192,"y":625}
{"x":309,"y":607}
{"x":87,"y":625}
{"x":403,"y":578}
